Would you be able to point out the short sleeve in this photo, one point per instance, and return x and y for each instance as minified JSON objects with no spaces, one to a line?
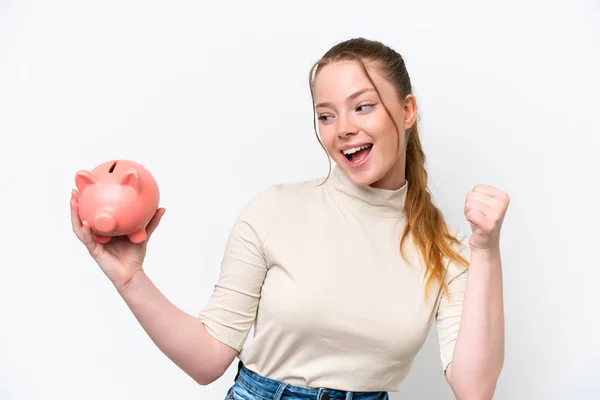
{"x":231,"y":310}
{"x":450,"y":306}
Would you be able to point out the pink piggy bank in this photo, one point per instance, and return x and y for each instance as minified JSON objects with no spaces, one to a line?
{"x":117,"y":198}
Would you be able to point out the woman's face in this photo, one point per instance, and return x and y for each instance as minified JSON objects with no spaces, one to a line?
{"x":355,"y":128}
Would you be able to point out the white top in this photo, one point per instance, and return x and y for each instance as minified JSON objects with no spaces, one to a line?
{"x":318,"y":270}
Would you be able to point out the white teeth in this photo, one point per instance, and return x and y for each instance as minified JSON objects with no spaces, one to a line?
{"x":355,"y":149}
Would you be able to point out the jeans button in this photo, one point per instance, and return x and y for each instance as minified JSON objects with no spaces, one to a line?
{"x":325,"y":396}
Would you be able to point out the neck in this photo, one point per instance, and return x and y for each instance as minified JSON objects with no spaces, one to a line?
{"x":393,"y":180}
{"x":371,"y":199}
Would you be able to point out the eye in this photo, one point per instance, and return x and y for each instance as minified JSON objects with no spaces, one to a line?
{"x":365,"y":105}
{"x":323,"y":118}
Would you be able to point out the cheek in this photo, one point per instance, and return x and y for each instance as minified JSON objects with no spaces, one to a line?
{"x":327,"y":136}
{"x":387,"y":139}
{"x":379,"y":126}
{"x":387,"y":135}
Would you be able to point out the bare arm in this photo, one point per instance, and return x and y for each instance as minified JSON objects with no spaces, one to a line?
{"x":479,"y":351}
{"x":180,"y":336}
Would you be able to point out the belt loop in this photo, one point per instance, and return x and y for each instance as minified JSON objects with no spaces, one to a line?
{"x":280,"y":390}
{"x":349,"y":395}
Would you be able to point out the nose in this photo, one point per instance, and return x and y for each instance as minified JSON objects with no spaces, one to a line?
{"x":345,"y":127}
{"x":104,"y":222}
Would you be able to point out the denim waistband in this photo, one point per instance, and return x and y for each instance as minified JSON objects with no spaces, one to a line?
{"x":267,"y":388}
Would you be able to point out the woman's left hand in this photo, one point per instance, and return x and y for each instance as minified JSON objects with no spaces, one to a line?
{"x":485,"y":208}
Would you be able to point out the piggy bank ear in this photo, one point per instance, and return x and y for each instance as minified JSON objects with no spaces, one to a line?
{"x":132,"y":178}
{"x":84,"y":179}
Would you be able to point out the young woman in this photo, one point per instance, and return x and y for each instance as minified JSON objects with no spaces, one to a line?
{"x":342,"y":277}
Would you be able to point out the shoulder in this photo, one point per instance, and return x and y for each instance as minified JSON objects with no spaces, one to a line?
{"x":281,"y":194}
{"x":268,"y":203}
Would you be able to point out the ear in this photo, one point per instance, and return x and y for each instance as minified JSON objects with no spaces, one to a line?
{"x":410,"y":111}
{"x":83,"y":179}
{"x":131,"y":178}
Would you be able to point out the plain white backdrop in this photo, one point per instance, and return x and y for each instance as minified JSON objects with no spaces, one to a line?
{"x":213,"y":99}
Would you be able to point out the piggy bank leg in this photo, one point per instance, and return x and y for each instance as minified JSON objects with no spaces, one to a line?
{"x":138,"y":237}
{"x":100,"y":238}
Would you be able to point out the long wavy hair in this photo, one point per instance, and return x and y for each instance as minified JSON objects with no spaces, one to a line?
{"x":425,"y":222}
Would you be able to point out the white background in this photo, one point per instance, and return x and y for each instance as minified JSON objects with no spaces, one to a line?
{"x":213,"y":99}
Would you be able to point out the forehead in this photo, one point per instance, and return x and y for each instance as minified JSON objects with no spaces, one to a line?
{"x":336,"y":81}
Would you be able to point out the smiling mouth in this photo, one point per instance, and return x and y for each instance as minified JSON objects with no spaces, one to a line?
{"x":357,"y":154}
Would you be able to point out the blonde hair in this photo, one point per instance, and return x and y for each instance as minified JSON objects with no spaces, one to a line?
{"x":425,"y":222}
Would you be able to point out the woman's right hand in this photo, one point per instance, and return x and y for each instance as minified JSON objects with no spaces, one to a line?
{"x":119,"y":259}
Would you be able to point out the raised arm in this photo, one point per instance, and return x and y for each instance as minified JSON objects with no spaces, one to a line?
{"x":478,"y":354}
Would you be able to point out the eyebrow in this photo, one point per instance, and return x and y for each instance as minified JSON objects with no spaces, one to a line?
{"x":352,"y":96}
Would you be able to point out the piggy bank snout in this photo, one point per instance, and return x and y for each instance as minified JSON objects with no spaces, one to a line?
{"x":104,"y":222}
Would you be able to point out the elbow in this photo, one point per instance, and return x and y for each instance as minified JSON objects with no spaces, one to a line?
{"x":204,"y":381}
{"x":482,"y":388}
{"x":479,"y":392}
{"x":206,"y":378}
{"x":475,"y":386}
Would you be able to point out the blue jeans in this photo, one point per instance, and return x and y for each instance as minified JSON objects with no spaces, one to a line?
{"x":252,"y":386}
